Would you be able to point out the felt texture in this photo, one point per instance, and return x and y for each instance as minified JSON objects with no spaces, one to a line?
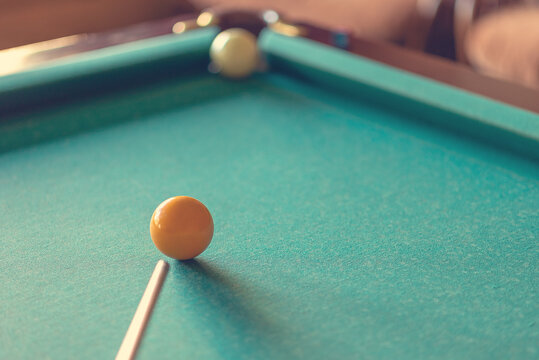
{"x":343,"y":228}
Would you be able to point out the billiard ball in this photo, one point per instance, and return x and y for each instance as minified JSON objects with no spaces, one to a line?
{"x":181,"y":227}
{"x":234,"y":53}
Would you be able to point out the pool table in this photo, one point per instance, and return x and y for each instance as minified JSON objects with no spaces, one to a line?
{"x":361,"y":211}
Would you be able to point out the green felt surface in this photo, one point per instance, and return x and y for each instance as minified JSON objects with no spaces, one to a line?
{"x":411,"y":95}
{"x":343,"y":228}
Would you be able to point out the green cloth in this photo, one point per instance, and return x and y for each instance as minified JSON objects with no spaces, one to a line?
{"x":345,"y":226}
{"x":341,"y":230}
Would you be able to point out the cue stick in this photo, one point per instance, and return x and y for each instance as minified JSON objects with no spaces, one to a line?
{"x":134,"y":333}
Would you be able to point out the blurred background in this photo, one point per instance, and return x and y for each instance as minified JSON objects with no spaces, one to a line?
{"x":499,"y":38}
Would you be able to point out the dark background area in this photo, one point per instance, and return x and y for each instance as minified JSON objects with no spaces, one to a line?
{"x":499,"y":38}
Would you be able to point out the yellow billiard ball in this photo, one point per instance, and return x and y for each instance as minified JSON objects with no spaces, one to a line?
{"x":234,"y":53}
{"x":181,"y":227}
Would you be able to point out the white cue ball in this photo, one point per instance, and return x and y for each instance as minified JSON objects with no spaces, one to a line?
{"x":234,"y":53}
